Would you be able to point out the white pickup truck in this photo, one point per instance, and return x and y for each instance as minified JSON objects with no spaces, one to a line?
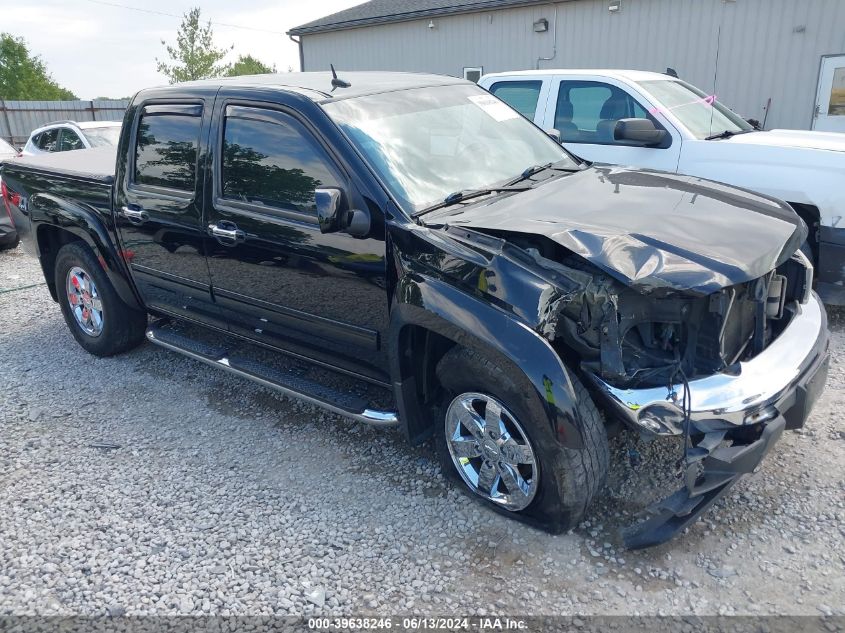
{"x":656,"y":121}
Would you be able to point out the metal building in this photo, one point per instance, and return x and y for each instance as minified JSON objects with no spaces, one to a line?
{"x":767,"y":59}
{"x":19,"y":118}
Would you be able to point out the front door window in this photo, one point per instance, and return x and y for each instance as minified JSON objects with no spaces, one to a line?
{"x":587,"y":111}
{"x":272,"y":164}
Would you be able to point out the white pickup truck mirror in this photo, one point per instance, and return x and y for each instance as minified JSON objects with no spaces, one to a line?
{"x":639,"y":131}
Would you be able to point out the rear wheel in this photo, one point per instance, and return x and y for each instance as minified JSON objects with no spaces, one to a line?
{"x":495,"y":442}
{"x":7,"y":243}
{"x":97,"y":317}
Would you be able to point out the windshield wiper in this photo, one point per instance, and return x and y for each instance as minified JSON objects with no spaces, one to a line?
{"x":536,"y":169}
{"x":467,"y":194}
{"x":728,"y":134}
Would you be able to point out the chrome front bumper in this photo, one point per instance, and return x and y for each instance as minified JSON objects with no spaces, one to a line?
{"x":764,"y":388}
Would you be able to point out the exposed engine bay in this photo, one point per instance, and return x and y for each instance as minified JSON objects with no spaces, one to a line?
{"x":642,"y":296}
{"x":634,"y":340}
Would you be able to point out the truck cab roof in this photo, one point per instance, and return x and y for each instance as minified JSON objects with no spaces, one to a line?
{"x":318,"y":85}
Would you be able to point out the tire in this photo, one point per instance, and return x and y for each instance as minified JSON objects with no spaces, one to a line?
{"x":9,"y":244}
{"x":119,"y":328}
{"x":554,"y":500}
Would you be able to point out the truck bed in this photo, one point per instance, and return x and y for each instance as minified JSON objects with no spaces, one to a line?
{"x":90,"y":164}
{"x":81,"y":177}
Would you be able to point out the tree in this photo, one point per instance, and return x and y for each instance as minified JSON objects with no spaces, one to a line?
{"x":23,"y":76}
{"x":249,"y":65}
{"x":194,"y":56}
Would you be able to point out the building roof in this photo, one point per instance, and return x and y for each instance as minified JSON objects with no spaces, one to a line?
{"x":384,"y":11}
{"x":317,"y":86}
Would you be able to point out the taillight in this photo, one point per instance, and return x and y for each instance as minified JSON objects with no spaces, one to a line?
{"x":9,"y":196}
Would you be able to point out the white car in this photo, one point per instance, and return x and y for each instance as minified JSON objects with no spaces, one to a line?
{"x":656,"y":121}
{"x":63,"y":136}
{"x":7,"y":150}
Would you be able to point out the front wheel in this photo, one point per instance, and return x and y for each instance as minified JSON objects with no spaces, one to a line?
{"x":97,"y":317}
{"x":495,"y":442}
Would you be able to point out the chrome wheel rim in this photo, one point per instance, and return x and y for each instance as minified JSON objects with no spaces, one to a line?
{"x":85,"y":302}
{"x":491,"y":451}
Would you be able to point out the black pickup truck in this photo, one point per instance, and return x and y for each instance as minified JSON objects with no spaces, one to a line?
{"x":413,"y":234}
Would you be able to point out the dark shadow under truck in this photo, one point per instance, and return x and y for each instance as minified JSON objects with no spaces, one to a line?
{"x":413,"y":233}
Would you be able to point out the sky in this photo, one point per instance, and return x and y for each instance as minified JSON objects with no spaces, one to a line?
{"x":96,"y":49}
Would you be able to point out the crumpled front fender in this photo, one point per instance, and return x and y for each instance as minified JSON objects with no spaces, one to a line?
{"x":436,"y":305}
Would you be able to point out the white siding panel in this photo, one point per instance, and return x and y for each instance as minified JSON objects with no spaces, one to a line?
{"x":766,"y":48}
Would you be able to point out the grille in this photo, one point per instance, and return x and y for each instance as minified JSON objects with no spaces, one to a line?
{"x":735,"y":332}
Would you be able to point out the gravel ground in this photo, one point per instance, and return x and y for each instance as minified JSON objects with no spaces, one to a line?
{"x":150,"y":484}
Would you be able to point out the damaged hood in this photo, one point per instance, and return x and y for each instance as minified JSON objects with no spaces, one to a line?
{"x":650,"y":230}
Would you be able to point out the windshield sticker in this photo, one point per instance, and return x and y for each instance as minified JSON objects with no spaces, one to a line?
{"x":709,"y":100}
{"x":493,"y":107}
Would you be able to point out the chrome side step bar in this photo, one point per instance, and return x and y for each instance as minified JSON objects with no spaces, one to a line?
{"x":288,"y":384}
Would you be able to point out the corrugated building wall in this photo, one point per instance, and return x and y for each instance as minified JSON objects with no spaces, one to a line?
{"x":743,"y":51}
{"x":19,"y":118}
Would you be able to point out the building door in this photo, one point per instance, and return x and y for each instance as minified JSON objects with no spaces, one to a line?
{"x":830,"y":100}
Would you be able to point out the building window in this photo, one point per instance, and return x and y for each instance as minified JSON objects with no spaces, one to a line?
{"x":473,"y":73}
{"x":837,"y":94}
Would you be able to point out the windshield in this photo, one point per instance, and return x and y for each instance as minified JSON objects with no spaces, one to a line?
{"x":428,"y":143}
{"x":702,"y":114}
{"x":102,"y":136}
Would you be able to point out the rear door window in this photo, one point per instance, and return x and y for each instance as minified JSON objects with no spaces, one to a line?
{"x":522,"y":96}
{"x":48,"y":140}
{"x":166,"y":147}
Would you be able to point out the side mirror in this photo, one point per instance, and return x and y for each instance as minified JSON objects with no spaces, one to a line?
{"x":328,"y":201}
{"x":639,"y":131}
{"x":333,"y":216}
{"x":554,"y":134}
{"x":358,"y":223}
